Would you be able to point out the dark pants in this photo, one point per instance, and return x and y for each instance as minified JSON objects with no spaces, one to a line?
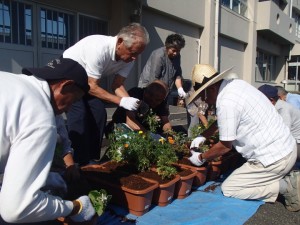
{"x":86,"y":121}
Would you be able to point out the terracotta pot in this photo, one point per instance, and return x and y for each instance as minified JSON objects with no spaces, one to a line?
{"x":214,"y":170}
{"x":68,"y":221}
{"x":201,"y":173}
{"x":164,"y":194}
{"x":184,"y":186}
{"x":136,"y":198}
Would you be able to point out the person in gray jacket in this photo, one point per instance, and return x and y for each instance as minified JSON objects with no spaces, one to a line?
{"x":164,"y":64}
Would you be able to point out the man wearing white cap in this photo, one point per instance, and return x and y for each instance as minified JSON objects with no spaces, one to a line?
{"x":250,"y":123}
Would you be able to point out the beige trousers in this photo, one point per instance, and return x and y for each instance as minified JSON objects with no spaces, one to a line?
{"x":254,"y":181}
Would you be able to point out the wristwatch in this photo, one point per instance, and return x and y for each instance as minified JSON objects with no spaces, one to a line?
{"x":201,"y":159}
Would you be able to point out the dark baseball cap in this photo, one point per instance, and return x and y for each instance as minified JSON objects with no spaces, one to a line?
{"x":61,"y":69}
{"x":268,"y":90}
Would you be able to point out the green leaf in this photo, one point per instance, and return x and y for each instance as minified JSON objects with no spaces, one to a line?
{"x":99,"y":200}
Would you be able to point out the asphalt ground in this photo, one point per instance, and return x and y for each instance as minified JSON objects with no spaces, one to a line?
{"x":267,"y":214}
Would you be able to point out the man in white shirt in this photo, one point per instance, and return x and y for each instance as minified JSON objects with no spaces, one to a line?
{"x":102,"y":55}
{"x":28,"y":137}
{"x":249,"y":122}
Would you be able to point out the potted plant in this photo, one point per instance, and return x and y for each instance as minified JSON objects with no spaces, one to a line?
{"x":152,"y":159}
{"x":99,"y":199}
{"x":129,"y":191}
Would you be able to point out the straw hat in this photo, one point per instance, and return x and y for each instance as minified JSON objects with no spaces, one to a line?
{"x":205,"y":75}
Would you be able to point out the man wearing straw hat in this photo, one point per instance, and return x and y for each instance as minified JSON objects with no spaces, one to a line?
{"x":250,"y":123}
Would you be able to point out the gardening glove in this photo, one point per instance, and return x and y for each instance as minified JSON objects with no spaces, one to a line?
{"x":181,"y":92}
{"x":129,"y":103}
{"x":195,"y":159}
{"x":197,"y":142}
{"x":55,"y":181}
{"x":86,"y":211}
{"x":156,"y":137}
{"x":202,"y":108}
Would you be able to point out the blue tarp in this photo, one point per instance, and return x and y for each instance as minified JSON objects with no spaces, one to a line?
{"x":206,"y":205}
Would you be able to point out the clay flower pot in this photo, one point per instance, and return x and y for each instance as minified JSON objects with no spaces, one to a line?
{"x":184,"y":186}
{"x":164,"y":194}
{"x":129,"y":191}
{"x":201,"y":174}
{"x":214,"y":170}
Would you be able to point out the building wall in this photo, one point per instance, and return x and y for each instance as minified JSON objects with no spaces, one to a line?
{"x":232,"y":40}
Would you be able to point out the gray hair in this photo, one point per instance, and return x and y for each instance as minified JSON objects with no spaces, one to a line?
{"x":281,"y":91}
{"x":134,"y":32}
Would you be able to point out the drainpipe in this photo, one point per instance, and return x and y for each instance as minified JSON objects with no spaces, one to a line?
{"x":139,"y":60}
{"x":216,"y":57}
{"x":199,"y":51}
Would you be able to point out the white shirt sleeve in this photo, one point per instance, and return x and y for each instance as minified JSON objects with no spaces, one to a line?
{"x":26,"y":171}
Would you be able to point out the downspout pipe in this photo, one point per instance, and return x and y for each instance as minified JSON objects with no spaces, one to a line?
{"x":216,"y":56}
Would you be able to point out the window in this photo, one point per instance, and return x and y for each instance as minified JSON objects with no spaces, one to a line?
{"x":238,"y":6}
{"x":15,"y":23}
{"x":89,"y":26}
{"x":265,"y":67}
{"x":297,"y":24}
{"x":294,"y":68}
{"x":57,"y":29}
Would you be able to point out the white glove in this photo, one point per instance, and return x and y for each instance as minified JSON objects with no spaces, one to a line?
{"x":86,"y":212}
{"x":181,"y":92}
{"x":195,"y":159}
{"x":197,"y":142}
{"x":202,"y":107}
{"x":55,"y":180}
{"x":129,"y":103}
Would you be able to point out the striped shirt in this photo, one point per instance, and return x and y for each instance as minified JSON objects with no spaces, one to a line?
{"x":248,"y":118}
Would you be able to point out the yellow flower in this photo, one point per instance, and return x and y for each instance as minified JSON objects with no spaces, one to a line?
{"x":140,"y":132}
{"x":162,"y":140}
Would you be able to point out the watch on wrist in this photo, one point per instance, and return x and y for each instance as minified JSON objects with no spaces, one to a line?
{"x":201,"y":159}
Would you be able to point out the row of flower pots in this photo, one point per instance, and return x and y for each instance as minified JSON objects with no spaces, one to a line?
{"x":135,"y":199}
{"x":158,"y":192}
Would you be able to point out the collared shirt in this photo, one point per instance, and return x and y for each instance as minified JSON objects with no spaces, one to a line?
{"x":28,"y":137}
{"x":293,"y":99}
{"x":160,"y":66}
{"x":96,"y":53}
{"x":248,"y":118}
{"x":291,"y":117}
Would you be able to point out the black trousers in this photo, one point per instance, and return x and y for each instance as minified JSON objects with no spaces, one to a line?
{"x":86,"y":121}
